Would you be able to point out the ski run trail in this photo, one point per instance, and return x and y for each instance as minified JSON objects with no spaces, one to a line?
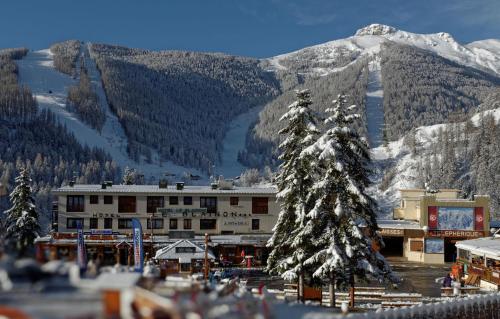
{"x":50,"y":87}
{"x":374,"y":104}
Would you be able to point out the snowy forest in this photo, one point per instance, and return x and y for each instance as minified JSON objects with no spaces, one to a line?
{"x":262,"y":140}
{"x":66,"y":56}
{"x":180,"y":103}
{"x":421,"y":88}
{"x":85,"y":101}
{"x":34,"y":140}
{"x":463,"y":156}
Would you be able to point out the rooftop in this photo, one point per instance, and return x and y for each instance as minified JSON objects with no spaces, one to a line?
{"x":486,"y":245}
{"x":398,"y":223}
{"x":155,"y":189}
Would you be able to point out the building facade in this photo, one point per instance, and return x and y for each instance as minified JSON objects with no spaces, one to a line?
{"x":426,"y":226}
{"x":238,"y":219}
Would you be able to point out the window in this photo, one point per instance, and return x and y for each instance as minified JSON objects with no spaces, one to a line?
{"x":126,"y":204}
{"x":416,"y":245}
{"x":173,"y":200}
{"x":75,"y":203}
{"x":124,"y":223}
{"x":155,"y":202}
{"x":185,"y":250}
{"x":173,"y":223}
{"x":108,"y":223}
{"x":94,"y":223}
{"x":72,"y":223}
{"x":157,"y":223}
{"x":185,"y":267}
{"x":108,"y":200}
{"x":210,"y":203}
{"x":259,"y":205}
{"x":233,"y":201}
{"x":208,"y":223}
{"x":255,"y":224}
{"x":188,"y":200}
{"x":187,"y":224}
{"x":94,"y":199}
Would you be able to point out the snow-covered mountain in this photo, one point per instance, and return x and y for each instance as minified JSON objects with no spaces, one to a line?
{"x":484,"y":55}
{"x":151,"y":99}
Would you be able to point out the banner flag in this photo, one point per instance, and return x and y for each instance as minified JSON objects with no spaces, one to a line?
{"x":81,"y":253}
{"x":138,"y":249}
{"x":478,"y":218}
{"x":433,"y":217}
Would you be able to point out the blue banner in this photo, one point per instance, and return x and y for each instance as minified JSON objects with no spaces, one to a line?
{"x":81,"y":253}
{"x":138,"y":249}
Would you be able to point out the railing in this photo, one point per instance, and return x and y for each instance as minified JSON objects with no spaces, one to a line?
{"x":473,"y":307}
{"x":485,"y":273}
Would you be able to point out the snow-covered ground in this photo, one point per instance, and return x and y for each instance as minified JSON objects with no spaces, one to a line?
{"x":50,"y":87}
{"x":374,"y":104}
{"x":234,"y":141}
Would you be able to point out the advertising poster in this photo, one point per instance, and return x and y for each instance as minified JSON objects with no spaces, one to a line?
{"x":434,"y":246}
{"x":456,"y":218}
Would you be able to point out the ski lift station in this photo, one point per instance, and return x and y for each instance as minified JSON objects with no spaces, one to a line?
{"x":427,"y":225}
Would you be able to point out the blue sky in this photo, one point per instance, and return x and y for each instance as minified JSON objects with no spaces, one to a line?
{"x":247,"y":27}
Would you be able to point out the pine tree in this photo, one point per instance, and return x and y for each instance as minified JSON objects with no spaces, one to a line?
{"x":343,"y":219}
{"x":293,"y":180}
{"x":21,"y":223}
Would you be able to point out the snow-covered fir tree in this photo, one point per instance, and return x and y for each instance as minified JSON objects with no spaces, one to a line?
{"x":294,"y":181}
{"x":342,"y":223}
{"x":21,"y":221}
{"x":129,"y":176}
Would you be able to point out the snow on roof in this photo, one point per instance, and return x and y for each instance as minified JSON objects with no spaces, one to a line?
{"x":169,"y":252}
{"x":487,"y":245}
{"x":398,"y":223}
{"x":171,"y":189}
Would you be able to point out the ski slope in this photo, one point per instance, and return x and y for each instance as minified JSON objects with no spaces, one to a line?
{"x":374,"y":104}
{"x":234,"y":141}
{"x":50,"y":87}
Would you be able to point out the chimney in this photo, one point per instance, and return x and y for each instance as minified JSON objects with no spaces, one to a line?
{"x":179,"y":186}
{"x":103,"y":185}
{"x":109,"y":183}
{"x":71,"y":183}
{"x":162,"y":183}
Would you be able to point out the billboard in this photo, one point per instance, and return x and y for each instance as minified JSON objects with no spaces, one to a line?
{"x":434,"y":246}
{"x":455,"y":218}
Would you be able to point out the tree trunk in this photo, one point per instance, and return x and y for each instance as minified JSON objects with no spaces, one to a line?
{"x":351,"y":293}
{"x":331,"y":288}
{"x":301,"y":287}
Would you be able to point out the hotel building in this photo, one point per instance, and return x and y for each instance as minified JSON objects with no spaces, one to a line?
{"x":239,"y":220}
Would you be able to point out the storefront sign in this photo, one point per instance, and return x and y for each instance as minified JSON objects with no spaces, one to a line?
{"x":198,"y":212}
{"x":455,"y":233}
{"x":391,"y":232}
{"x":101,"y":232}
{"x":105,"y":215}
